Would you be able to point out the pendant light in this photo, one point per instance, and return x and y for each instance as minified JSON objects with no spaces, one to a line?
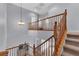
{"x":21,"y":22}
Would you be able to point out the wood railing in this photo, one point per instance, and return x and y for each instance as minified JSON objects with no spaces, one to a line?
{"x":46,"y":48}
{"x":46,"y":24}
{"x":15,"y":51}
{"x":60,"y":30}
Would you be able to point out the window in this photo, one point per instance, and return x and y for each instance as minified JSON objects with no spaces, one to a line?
{"x":33,"y":17}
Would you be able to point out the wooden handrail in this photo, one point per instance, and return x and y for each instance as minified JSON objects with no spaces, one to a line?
{"x":47,"y":18}
{"x":11,"y":48}
{"x":39,"y":25}
{"x":13,"y":51}
{"x":16,"y":47}
{"x":45,"y":41}
{"x":42,"y":30}
{"x":36,"y":50}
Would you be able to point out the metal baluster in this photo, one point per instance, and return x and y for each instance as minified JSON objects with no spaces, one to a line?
{"x":9,"y":52}
{"x":12,"y":52}
{"x":15,"y":52}
{"x":42,"y":50}
{"x":49,"y":48}
{"x":53,"y":45}
{"x":58,"y":18}
{"x":46,"y":48}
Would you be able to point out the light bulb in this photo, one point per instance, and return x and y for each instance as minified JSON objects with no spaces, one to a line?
{"x":21,"y":23}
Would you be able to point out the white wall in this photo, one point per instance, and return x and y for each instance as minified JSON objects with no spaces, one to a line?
{"x":72,"y":15}
{"x":19,"y":34}
{"x":2,"y":26}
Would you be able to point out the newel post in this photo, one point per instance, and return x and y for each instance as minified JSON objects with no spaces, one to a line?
{"x":55,"y":36}
{"x":34,"y":49}
{"x":66,"y":19}
{"x":55,"y":31}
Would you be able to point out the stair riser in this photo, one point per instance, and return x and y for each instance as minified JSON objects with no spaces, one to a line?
{"x":72,"y":43}
{"x":73,"y":36}
{"x":75,"y":53}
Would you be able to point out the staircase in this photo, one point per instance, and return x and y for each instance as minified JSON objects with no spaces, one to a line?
{"x":71,"y":47}
{"x":52,"y":46}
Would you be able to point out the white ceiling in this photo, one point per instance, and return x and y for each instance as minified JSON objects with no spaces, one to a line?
{"x":40,"y":8}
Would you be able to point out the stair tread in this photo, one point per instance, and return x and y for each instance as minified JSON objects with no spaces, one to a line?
{"x":72,"y":47}
{"x":73,"y":33}
{"x":72,"y":39}
{"x":67,"y":54}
